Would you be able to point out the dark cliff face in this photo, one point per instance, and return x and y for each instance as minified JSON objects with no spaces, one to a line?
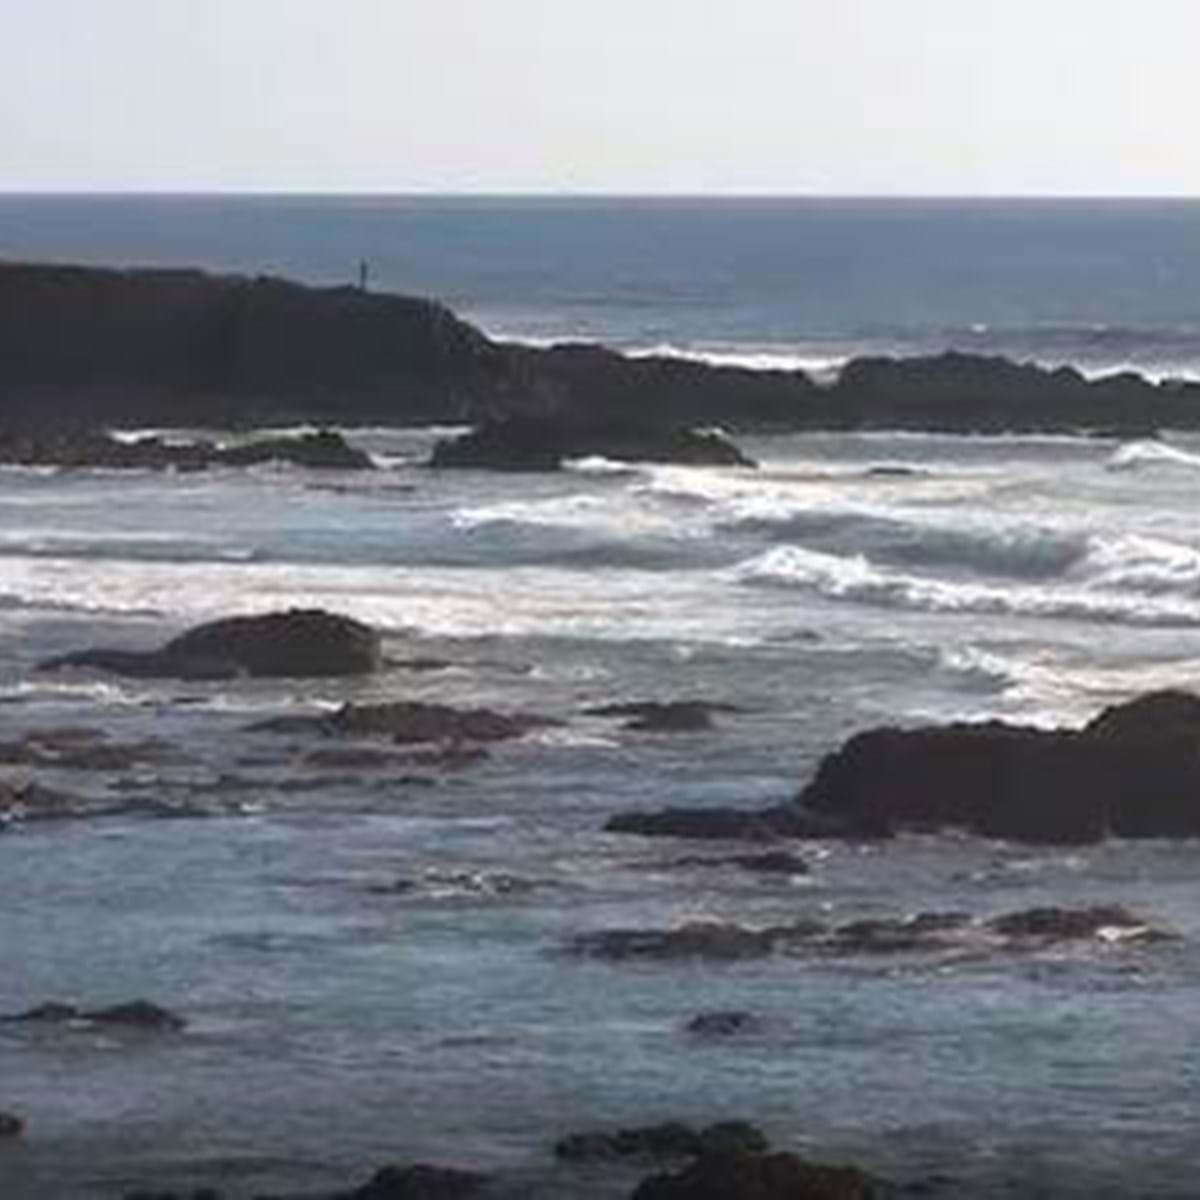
{"x":89,"y":346}
{"x":178,"y":346}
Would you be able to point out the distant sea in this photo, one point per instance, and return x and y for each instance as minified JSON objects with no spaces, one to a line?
{"x":1102,"y":284}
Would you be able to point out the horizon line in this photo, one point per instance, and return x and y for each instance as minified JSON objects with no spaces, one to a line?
{"x":568,"y":195}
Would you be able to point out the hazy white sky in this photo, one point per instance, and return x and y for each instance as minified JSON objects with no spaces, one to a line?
{"x":834,"y":96}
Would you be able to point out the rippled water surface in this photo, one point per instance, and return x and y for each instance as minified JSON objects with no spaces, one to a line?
{"x":338,"y":1022}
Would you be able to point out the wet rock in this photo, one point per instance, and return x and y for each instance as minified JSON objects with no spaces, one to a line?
{"x":418,"y":1181}
{"x":671,"y":1139}
{"x":711,"y":940}
{"x":727,"y":1023}
{"x":321,"y":450}
{"x":411,"y":721}
{"x":299,"y":643}
{"x":451,"y":756}
{"x":11,"y":1125}
{"x":773,"y":862}
{"x":203,"y":1193}
{"x":136,"y":1014}
{"x":1069,"y":924}
{"x":537,"y":443}
{"x":674,"y":716}
{"x":729,"y":824}
{"x":779,"y":1176}
{"x":1133,"y":772}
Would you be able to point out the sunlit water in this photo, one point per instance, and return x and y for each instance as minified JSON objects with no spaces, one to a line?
{"x":335,"y":1026}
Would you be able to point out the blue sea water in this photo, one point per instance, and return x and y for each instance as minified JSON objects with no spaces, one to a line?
{"x":335,"y":1024}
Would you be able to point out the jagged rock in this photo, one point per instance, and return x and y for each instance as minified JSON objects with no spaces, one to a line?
{"x":675,"y":716}
{"x":528,"y":443}
{"x":716,"y":940}
{"x":729,"y":824}
{"x":671,"y":1139}
{"x":418,"y":1181}
{"x":779,"y":1176}
{"x":1133,"y":772}
{"x":410,"y":721}
{"x":723,"y":1024}
{"x":293,"y":644}
{"x":11,"y":1125}
{"x":1070,"y":924}
{"x":773,"y":862}
{"x":322,"y":450}
{"x":136,"y":1014}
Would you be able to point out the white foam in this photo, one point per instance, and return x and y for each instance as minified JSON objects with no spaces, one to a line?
{"x":1134,"y":456}
{"x":855,"y":579}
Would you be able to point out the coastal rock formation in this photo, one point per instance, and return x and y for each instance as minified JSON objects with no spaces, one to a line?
{"x":84,"y":347}
{"x":298,"y":643}
{"x":1133,"y":772}
{"x":136,"y":1014}
{"x":11,"y":1125}
{"x":778,"y":1176}
{"x":418,"y":1181}
{"x":1027,"y":931}
{"x":672,"y":1139}
{"x":671,"y":716}
{"x":535,"y":443}
{"x":92,"y":448}
{"x":731,"y":824}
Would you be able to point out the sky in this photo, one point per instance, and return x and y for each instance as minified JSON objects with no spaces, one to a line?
{"x":841,"y":97}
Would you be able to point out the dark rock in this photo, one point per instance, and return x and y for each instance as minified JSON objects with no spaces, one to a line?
{"x":294,"y":644}
{"x":728,"y":824}
{"x":321,"y":450}
{"x":1066,"y":924}
{"x":418,"y":1181}
{"x":529,"y":443}
{"x":411,"y":721}
{"x":32,"y":802}
{"x":723,"y":1024}
{"x":1133,"y":772}
{"x":136,"y":1014}
{"x":676,"y":716}
{"x":712,"y":940}
{"x":668,"y":1140}
{"x":773,"y":862}
{"x":779,"y":1176}
{"x":11,"y":1126}
{"x":297,"y":643}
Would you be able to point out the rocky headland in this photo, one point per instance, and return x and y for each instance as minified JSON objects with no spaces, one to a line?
{"x":84,"y":347}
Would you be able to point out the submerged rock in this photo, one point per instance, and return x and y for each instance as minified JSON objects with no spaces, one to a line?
{"x":297,"y":643}
{"x":136,"y":1014}
{"x":11,"y":1125}
{"x":672,"y":1139}
{"x":674,"y":716}
{"x":923,"y":933}
{"x":728,"y":824}
{"x":537,"y":443}
{"x":778,"y":1176}
{"x":418,"y":1181}
{"x":1133,"y":772}
{"x":724,"y":1024}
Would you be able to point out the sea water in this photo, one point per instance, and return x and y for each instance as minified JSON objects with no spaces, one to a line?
{"x":338,"y":1022}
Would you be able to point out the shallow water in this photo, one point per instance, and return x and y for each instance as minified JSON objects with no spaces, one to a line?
{"x":336,"y":1026}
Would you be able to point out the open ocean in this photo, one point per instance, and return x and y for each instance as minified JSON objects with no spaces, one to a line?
{"x":854,"y":580}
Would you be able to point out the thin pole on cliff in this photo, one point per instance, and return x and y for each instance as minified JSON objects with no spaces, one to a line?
{"x":364,"y":274}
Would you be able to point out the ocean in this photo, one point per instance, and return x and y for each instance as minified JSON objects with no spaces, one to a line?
{"x":374,"y":963}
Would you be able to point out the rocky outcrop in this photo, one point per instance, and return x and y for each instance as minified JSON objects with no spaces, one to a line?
{"x":536,"y":443}
{"x":298,"y":643}
{"x":84,"y":347}
{"x":778,"y":1176}
{"x":731,"y":824}
{"x":89,"y":448}
{"x":672,"y":1139}
{"x":11,"y":1125}
{"x":135,"y":1015}
{"x":418,"y":1181}
{"x":667,"y":716}
{"x":1133,"y":772}
{"x":938,"y":933}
